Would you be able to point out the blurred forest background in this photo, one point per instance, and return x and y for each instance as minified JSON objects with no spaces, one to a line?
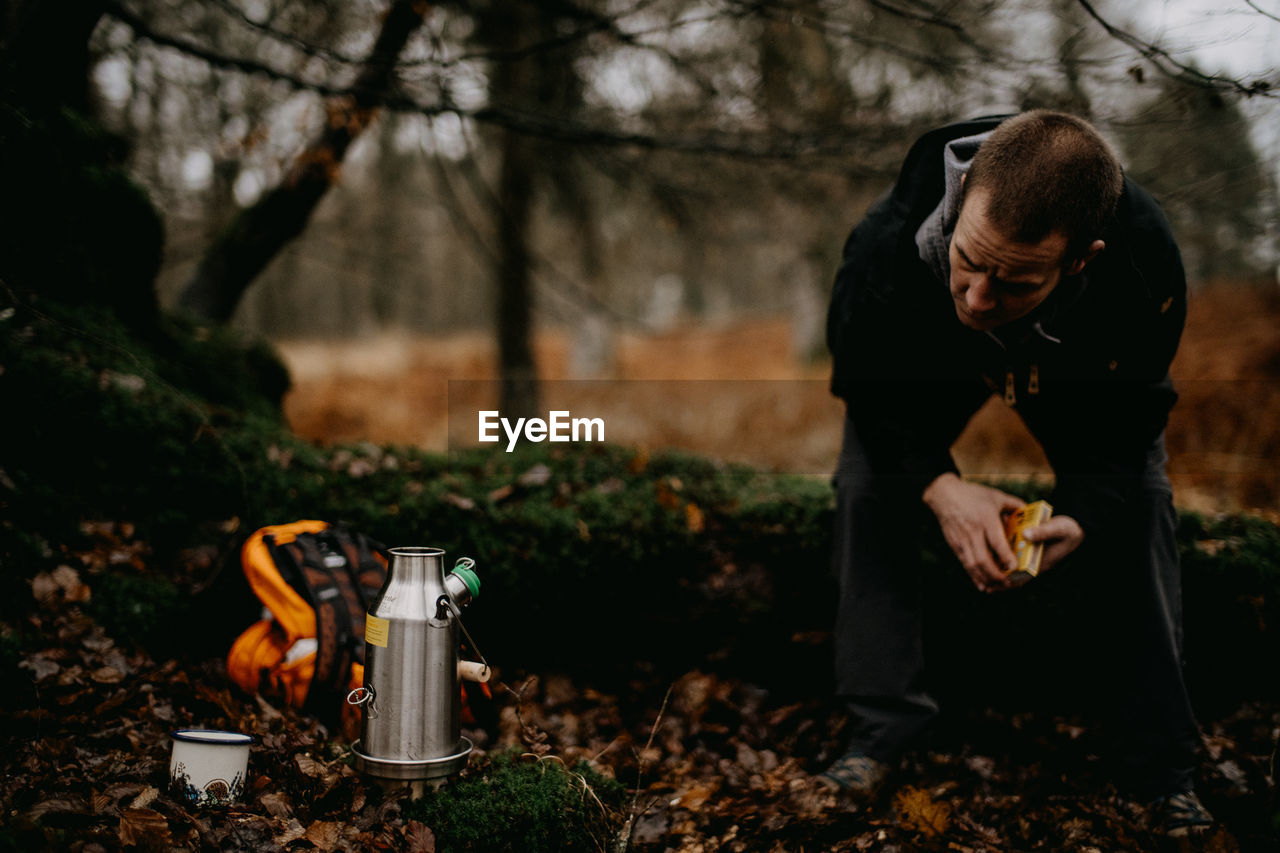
{"x":632,"y":209}
{"x":403,"y":195}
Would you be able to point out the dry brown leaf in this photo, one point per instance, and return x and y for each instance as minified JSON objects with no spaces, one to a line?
{"x":40,"y":666}
{"x":43,"y":586}
{"x":68,"y":579}
{"x":107,"y":675}
{"x":144,"y":828}
{"x":70,"y":676}
{"x":59,"y":805}
{"x":694,"y":798}
{"x":144,"y":799}
{"x":693,"y":518}
{"x":538,"y":475}
{"x":277,"y":805}
{"x":460,"y":501}
{"x":308,"y":766}
{"x":667,"y":498}
{"x":98,"y":641}
{"x":324,"y":834}
{"x":419,"y":837}
{"x":291,"y":833}
{"x":919,"y":812}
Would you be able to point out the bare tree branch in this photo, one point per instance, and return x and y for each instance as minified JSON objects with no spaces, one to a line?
{"x":1263,"y":12}
{"x":735,"y":143}
{"x":144,"y":30}
{"x":1168,"y":65}
{"x":290,"y":39}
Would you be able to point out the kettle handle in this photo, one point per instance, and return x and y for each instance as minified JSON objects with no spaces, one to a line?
{"x":444,"y":602}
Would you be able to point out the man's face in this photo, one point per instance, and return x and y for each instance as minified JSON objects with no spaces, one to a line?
{"x":995,"y":280}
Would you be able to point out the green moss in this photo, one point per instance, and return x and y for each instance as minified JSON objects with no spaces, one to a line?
{"x":524,"y":805}
{"x":139,"y":608}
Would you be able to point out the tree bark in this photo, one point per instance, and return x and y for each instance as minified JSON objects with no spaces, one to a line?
{"x":258,"y":233}
{"x":518,"y":391}
{"x":515,"y":81}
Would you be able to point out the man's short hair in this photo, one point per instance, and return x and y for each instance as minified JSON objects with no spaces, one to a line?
{"x":1047,"y":171}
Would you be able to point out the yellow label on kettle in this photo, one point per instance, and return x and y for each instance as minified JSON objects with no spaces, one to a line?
{"x":376,"y":630}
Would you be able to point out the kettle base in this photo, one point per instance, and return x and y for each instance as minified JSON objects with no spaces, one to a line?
{"x":409,"y":770}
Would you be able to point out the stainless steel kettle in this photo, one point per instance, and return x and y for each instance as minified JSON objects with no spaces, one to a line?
{"x":410,"y":703}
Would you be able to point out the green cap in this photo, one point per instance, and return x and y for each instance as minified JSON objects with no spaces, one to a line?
{"x":470,"y":578}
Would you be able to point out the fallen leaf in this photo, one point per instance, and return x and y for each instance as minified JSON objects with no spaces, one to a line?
{"x":611,"y":486}
{"x":68,"y":579}
{"x":98,"y":641}
{"x":360,"y":468}
{"x":59,"y":805}
{"x":70,"y":676}
{"x":693,"y":518}
{"x":43,"y":586}
{"x":108,"y":800}
{"x":538,"y":475}
{"x":291,"y":833}
{"x":144,"y":799}
{"x":308,"y":766}
{"x":145,"y":828}
{"x":277,"y":805}
{"x":40,"y":666}
{"x":459,"y":501}
{"x":324,"y":834}
{"x":919,"y":812}
{"x":419,"y":838}
{"x":324,"y":775}
{"x":694,"y":798}
{"x":107,"y":675}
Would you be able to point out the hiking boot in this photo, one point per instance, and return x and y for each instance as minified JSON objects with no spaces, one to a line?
{"x":856,"y":776}
{"x":1179,"y":815}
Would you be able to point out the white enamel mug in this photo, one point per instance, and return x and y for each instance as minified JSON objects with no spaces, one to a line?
{"x":208,"y":767}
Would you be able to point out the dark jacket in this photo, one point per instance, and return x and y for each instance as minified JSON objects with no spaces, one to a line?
{"x":1090,"y":378}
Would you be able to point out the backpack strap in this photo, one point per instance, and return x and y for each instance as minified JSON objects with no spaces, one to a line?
{"x":323,"y":571}
{"x":365,"y":568}
{"x":278,"y":584}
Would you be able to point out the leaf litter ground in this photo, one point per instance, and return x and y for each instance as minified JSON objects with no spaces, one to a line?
{"x":715,"y":763}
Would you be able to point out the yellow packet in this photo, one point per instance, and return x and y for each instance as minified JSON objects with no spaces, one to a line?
{"x":1028,"y":554}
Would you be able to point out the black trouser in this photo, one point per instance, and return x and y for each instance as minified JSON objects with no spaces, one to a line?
{"x":1130,"y":622}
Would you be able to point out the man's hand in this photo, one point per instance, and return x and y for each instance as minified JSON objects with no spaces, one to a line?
{"x":1061,"y":535}
{"x":970,"y":517}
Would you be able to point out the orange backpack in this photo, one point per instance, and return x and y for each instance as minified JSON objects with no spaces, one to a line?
{"x":315,"y":581}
